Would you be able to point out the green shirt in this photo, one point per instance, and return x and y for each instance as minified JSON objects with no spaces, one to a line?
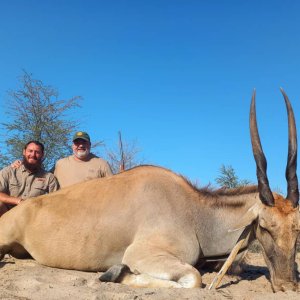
{"x":19,"y":182}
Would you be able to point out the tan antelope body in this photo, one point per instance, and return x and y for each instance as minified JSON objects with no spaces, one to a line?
{"x":151,"y":227}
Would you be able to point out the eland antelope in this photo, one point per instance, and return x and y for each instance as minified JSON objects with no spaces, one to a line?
{"x":150,"y":227}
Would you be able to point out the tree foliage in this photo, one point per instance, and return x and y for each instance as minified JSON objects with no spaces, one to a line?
{"x":229,"y":179}
{"x":35,"y":112}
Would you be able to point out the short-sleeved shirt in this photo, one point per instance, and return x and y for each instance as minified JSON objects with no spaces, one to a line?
{"x":19,"y":182}
{"x":70,"y":170}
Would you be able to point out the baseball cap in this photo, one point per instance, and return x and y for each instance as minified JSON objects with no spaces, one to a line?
{"x":81,"y":135}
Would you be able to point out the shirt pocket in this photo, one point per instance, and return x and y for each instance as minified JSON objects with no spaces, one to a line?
{"x":39,"y":187}
{"x":14,"y":188}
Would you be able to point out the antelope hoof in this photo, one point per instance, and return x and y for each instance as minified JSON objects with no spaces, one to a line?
{"x":115,"y":273}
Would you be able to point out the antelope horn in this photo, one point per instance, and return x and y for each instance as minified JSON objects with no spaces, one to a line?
{"x":234,"y":252}
{"x":216,"y":281}
{"x":290,"y":173}
{"x":264,"y":190}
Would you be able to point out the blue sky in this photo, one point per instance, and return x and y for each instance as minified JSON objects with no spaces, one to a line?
{"x":177,"y":76}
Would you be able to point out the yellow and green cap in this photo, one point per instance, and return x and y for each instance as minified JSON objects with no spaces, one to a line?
{"x":81,"y":135}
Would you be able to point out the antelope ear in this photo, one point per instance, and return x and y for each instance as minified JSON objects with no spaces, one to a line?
{"x":247,"y":218}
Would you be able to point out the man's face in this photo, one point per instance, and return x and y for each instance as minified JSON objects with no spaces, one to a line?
{"x":81,"y":148}
{"x":33,"y":155}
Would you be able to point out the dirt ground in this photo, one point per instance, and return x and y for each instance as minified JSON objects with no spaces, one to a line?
{"x":26,"y":279}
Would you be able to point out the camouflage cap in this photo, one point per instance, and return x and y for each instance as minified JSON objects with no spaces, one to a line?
{"x":81,"y":135}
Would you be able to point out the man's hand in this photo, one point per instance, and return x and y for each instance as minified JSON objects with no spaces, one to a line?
{"x":19,"y":200}
{"x":16,"y":164}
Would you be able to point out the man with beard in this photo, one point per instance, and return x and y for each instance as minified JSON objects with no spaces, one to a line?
{"x":82,"y":165}
{"x":27,"y":181}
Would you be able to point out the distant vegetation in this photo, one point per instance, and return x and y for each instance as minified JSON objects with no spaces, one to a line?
{"x":228,"y":178}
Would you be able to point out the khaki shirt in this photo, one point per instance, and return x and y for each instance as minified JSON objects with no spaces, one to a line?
{"x":19,"y":182}
{"x":69,"y":170}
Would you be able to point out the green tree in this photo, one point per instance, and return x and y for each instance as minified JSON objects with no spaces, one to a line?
{"x":3,"y":159}
{"x":35,"y":112}
{"x":229,"y":179}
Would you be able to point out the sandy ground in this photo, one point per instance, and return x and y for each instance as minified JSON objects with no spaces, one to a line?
{"x":26,"y":279}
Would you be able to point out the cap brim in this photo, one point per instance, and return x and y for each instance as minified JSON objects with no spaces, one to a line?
{"x":81,"y":138}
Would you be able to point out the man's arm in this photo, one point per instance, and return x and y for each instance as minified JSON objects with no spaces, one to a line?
{"x":108,"y":170}
{"x":9,"y":199}
{"x":105,"y":169}
{"x":4,"y":197}
{"x":53,"y":184}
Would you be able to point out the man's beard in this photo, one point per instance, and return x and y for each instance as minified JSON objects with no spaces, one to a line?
{"x":33,"y":168}
{"x":82,"y":154}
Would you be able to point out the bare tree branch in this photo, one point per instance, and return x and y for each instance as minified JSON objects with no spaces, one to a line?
{"x":123,"y":156}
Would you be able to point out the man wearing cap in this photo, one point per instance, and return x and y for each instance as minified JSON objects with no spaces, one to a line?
{"x":26,"y":181}
{"x":82,"y":165}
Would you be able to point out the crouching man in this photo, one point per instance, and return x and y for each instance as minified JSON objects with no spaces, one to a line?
{"x":27,"y":181}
